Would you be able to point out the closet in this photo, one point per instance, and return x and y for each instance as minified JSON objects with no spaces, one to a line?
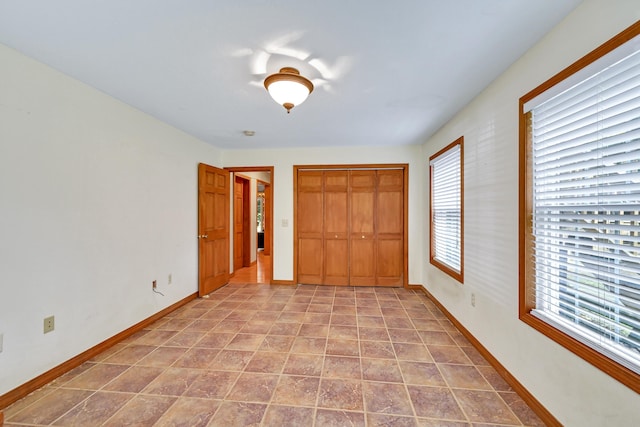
{"x":350,"y":226}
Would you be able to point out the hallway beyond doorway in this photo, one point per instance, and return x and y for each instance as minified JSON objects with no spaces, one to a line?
{"x":259,"y":272}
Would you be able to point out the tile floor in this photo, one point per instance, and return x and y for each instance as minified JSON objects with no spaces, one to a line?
{"x":285,"y":356}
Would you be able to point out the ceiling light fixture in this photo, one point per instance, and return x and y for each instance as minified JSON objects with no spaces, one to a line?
{"x":288,"y":88}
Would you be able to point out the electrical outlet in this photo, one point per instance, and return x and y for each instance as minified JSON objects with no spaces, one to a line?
{"x":169,"y":279}
{"x":154,"y":284}
{"x":1,"y":339}
{"x":473,"y":300}
{"x":49,"y":324}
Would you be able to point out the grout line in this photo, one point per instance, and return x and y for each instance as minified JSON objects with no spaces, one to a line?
{"x":237,"y":297}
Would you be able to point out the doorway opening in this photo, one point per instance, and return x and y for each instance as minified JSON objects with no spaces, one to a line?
{"x":251,"y":235}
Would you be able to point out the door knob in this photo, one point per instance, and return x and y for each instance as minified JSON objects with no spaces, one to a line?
{"x":363,"y":237}
{"x":204,"y":236}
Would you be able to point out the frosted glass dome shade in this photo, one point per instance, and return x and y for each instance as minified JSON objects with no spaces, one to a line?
{"x":288,"y":88}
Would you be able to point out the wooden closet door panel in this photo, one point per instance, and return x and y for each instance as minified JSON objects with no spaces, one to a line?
{"x":390,"y":215}
{"x":362,"y":254}
{"x":362,"y":201}
{"x":362,"y":268}
{"x":390,"y":266}
{"x":336,"y":181}
{"x":336,"y":227}
{"x":390,"y":179}
{"x":310,"y":181}
{"x":309,"y":223}
{"x":310,"y":261}
{"x":336,"y":214}
{"x":390,"y":228}
{"x":309,"y":205}
{"x":336,"y":258}
{"x":310,"y":218}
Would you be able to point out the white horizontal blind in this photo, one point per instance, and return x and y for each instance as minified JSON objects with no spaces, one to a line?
{"x":446,"y":208}
{"x":586,"y":219}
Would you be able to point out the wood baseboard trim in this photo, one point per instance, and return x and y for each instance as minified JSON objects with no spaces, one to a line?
{"x":529,"y":399}
{"x":45,"y":378}
{"x":283,"y":282}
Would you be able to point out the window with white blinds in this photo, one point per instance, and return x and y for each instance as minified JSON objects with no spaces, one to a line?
{"x":584,"y":178}
{"x":446,"y":209}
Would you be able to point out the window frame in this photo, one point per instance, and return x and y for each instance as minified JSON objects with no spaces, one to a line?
{"x":458,"y":275}
{"x":527,"y":288}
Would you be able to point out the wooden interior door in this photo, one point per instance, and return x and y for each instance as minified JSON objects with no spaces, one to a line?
{"x":241,"y":223}
{"x":389,"y":219}
{"x":266,"y":220}
{"x":213,"y":228}
{"x":336,"y":228}
{"x":309,"y":224}
{"x":248,"y":223}
{"x":238,"y":223}
{"x":362,"y":254}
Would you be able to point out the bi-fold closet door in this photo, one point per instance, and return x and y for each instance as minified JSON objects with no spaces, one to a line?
{"x":350,"y":227}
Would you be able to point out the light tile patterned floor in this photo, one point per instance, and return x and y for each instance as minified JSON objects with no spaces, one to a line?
{"x":285,"y":356}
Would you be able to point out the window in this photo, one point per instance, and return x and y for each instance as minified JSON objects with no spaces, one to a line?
{"x":580,"y":208}
{"x":446,"y":217}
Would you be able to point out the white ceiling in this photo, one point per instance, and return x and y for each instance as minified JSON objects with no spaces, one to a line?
{"x":386,"y":72}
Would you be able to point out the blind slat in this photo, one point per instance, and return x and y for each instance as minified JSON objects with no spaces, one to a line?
{"x":446,"y":207}
{"x":586,"y":214}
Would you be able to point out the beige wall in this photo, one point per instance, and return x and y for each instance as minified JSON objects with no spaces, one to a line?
{"x":574,"y":391}
{"x":97,"y":200}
